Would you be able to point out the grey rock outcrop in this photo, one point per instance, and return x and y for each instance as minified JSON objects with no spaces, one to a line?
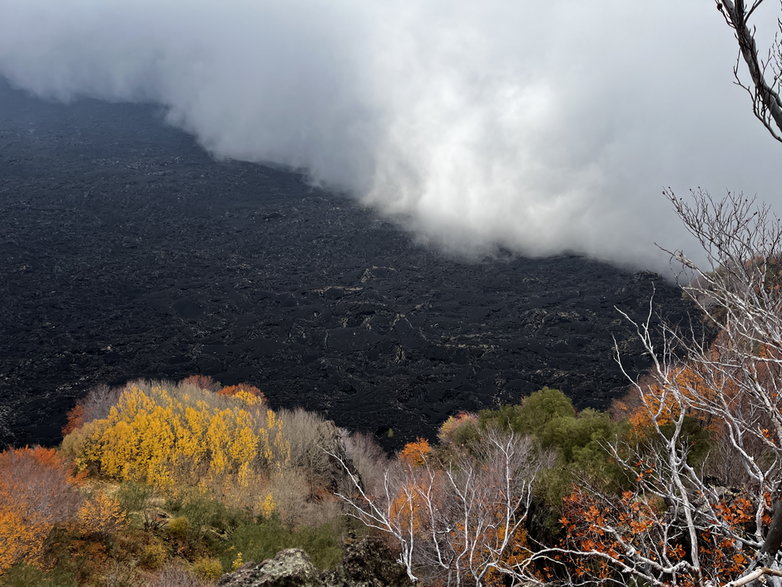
{"x":367,"y":563}
{"x":290,"y":568}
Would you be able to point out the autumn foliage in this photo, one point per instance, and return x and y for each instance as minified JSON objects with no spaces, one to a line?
{"x":204,"y":382}
{"x":37,"y":492}
{"x":157,"y":473}
{"x":639,"y":521}
{"x":690,"y":513}
{"x":163,"y":436}
{"x":458,"y":428}
{"x":415,"y":453}
{"x":100,"y":515}
{"x":244,"y":391}
{"x":75,"y":419}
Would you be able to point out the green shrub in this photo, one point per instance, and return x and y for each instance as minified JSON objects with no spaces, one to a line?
{"x":698,"y":439}
{"x":208,"y":568}
{"x":178,"y":527}
{"x":262,"y":540}
{"x":23,"y":575}
{"x":541,"y":407}
{"x":153,"y":556}
{"x":505,"y":418}
{"x":322,"y":543}
{"x":532,"y":415}
{"x":133,"y":496}
{"x":571,"y":434}
{"x":461,"y":431}
{"x":204,"y":512}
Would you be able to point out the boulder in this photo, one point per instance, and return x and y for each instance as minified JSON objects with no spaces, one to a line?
{"x":290,"y":568}
{"x":368,"y":562}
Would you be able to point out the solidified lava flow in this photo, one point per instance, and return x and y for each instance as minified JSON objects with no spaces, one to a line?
{"x":127,"y":252}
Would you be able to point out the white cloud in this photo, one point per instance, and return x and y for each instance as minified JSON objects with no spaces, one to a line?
{"x":538,"y":126}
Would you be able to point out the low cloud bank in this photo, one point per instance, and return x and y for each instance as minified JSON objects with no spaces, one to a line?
{"x":538,"y":127}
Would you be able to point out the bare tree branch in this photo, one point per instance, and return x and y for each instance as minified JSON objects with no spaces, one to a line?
{"x":457,"y":521}
{"x":764,"y":73}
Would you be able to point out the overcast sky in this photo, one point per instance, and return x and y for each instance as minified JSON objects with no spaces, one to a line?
{"x":538,"y":126}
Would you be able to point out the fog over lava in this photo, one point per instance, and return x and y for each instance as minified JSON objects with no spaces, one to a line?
{"x":539,"y":127}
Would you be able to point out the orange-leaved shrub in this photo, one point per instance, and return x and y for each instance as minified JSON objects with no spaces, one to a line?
{"x":244,"y":391}
{"x":415,"y":453}
{"x":37,"y":492}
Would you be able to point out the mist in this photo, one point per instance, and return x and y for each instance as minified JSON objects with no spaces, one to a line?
{"x":538,"y":127}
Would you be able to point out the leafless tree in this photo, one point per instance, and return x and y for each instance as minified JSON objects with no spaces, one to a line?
{"x":457,"y":521}
{"x":735,"y":385}
{"x":731,"y":384}
{"x":98,"y":401}
{"x":740,"y":372}
{"x":737,"y":382}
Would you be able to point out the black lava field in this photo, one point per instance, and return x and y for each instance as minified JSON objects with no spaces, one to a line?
{"x":126,"y":251}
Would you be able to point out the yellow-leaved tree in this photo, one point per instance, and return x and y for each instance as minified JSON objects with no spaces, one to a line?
{"x":165,"y":435}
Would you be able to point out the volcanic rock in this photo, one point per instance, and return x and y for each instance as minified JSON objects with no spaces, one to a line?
{"x":126,"y":251}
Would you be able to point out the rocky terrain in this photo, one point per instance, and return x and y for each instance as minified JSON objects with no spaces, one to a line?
{"x":367,"y":563}
{"x":126,"y":252}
